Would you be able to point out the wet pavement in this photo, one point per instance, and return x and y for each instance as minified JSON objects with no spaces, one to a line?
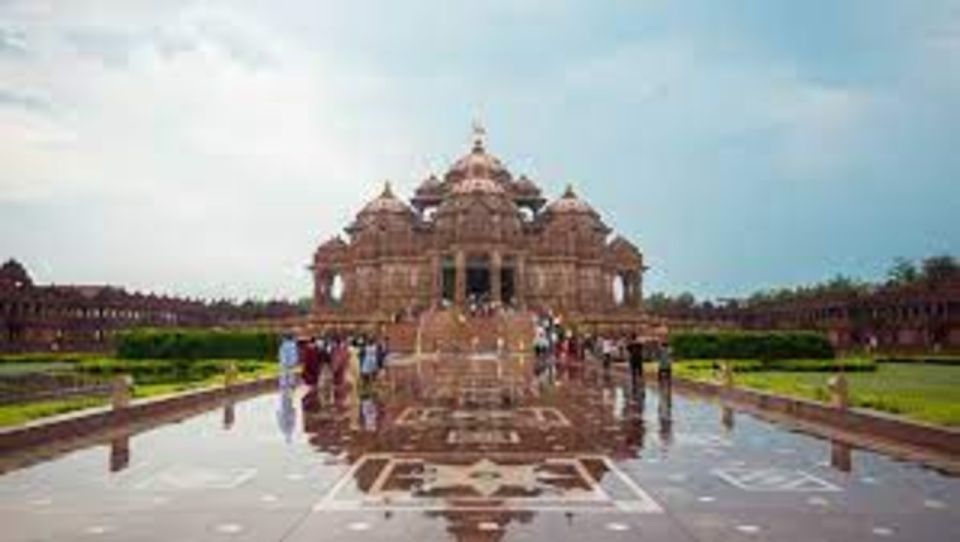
{"x":477,"y":449}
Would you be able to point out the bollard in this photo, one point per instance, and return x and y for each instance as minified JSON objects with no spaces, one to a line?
{"x":231,"y":375}
{"x":839,"y":392}
{"x":122,"y":391}
{"x":727,"y":375}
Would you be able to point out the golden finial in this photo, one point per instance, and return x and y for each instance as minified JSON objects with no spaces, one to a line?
{"x":479,"y":133}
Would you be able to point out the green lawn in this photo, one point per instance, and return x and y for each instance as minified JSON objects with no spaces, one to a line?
{"x":923,"y":392}
{"x":21,"y":413}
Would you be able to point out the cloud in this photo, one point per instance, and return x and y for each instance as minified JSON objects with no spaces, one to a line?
{"x":204,"y":124}
{"x":206,"y":147}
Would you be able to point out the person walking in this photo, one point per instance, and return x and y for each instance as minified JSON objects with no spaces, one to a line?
{"x":383,"y":351}
{"x":324,"y":361}
{"x":353,"y":362}
{"x":635,"y":356}
{"x":310,"y":372}
{"x":370,"y":361}
{"x":288,"y":358}
{"x":664,"y":364}
{"x":609,"y":348}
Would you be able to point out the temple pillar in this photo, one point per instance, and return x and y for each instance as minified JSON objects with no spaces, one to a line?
{"x":520,"y":283}
{"x":436,"y":284}
{"x":460,"y":291}
{"x":496,"y":287}
{"x":638,"y":285}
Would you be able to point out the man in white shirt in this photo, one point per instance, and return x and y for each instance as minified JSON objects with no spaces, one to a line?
{"x":288,"y":357}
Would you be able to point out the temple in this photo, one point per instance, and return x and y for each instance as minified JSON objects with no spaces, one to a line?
{"x":478,"y":237}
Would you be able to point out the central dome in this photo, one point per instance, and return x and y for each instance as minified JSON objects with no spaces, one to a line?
{"x":475,"y":185}
{"x":478,"y":164}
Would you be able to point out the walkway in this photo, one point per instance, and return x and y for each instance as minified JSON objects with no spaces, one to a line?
{"x":477,"y":449}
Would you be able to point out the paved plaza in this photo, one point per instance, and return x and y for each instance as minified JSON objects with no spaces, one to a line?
{"x":476,"y":449}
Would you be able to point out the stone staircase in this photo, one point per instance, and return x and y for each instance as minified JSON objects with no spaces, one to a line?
{"x":452,"y":331}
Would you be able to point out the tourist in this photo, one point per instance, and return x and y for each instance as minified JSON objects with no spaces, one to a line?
{"x":609,"y":349}
{"x":288,"y":359}
{"x":383,"y":350}
{"x":635,"y":357}
{"x":324,"y":360}
{"x":310,"y":356}
{"x":369,"y":362}
{"x":664,"y":364}
{"x":353,"y":362}
{"x":339,"y":359}
{"x":540,"y":343}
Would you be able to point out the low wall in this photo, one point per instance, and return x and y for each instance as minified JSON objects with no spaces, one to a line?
{"x":866,"y":423}
{"x":93,"y":422}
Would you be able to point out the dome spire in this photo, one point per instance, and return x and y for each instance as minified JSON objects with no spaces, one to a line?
{"x":387,"y":190}
{"x":479,"y":135}
{"x":569,"y":193}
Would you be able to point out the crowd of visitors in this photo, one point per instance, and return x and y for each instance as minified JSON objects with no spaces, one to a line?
{"x":557,"y":347}
{"x":336,"y":360}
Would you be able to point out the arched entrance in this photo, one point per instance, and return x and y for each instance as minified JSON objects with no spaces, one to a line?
{"x":479,"y":284}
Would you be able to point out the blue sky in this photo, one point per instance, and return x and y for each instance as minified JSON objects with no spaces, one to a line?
{"x":205,"y":148}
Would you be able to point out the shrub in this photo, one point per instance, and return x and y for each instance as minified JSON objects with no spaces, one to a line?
{"x":929,"y":360}
{"x":43,"y":357}
{"x":850,"y":365}
{"x":196,"y":344}
{"x":751,"y":345}
{"x":158,"y":371}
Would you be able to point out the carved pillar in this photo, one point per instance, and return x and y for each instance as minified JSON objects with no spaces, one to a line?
{"x":319,"y":289}
{"x":436,"y":282}
{"x":638,"y":283}
{"x":520,"y":282}
{"x":460,"y":290}
{"x":496,"y":265}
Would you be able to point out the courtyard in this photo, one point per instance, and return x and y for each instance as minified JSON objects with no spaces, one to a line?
{"x":475,"y":448}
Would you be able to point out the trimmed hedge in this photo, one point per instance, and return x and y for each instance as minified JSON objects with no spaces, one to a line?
{"x":162,"y":370}
{"x":751,"y":345}
{"x":849,"y":365}
{"x":929,"y":360}
{"x":44,"y":357}
{"x":196,"y":344}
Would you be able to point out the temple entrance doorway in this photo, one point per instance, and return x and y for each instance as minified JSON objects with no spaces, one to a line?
{"x":478,"y":279}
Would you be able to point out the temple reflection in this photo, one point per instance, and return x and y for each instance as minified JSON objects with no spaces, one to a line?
{"x":120,"y":452}
{"x":727,"y":418}
{"x":841,"y":456}
{"x":478,"y":442}
{"x":229,"y":415}
{"x":665,"y":412}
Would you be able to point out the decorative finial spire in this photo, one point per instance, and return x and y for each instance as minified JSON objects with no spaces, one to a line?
{"x":569,"y":193}
{"x":387,"y":190}
{"x":479,"y":134}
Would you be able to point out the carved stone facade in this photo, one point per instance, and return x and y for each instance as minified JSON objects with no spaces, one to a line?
{"x":477,"y":235}
{"x":44,"y":318}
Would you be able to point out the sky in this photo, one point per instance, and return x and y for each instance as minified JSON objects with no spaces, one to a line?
{"x":205,"y":148}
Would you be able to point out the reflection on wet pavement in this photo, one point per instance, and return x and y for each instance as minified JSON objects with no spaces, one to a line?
{"x":476,"y":449}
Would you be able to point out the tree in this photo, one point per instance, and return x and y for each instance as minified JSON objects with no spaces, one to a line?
{"x":903,"y":272}
{"x":938,"y":269}
{"x":686,"y":300}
